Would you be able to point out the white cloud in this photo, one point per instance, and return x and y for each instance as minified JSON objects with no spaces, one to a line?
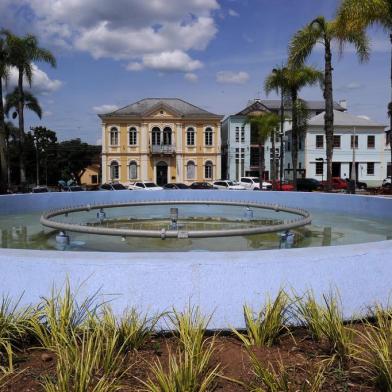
{"x":134,"y":66}
{"x":350,"y":86}
{"x":105,"y":108}
{"x":132,"y":30}
{"x":232,"y":12}
{"x":171,"y":61}
{"x":99,"y":142}
{"x":232,"y":77}
{"x":41,"y":82}
{"x":47,"y":113}
{"x":191,"y":77}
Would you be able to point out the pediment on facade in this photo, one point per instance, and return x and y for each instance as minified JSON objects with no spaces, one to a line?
{"x":161,"y":111}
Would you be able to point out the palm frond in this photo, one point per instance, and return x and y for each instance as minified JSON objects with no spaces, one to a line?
{"x":304,"y":41}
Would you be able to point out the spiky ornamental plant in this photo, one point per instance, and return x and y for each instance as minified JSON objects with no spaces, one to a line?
{"x":357,"y":15}
{"x":324,"y":32}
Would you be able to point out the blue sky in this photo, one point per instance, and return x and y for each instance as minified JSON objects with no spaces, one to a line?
{"x":213,"y":53}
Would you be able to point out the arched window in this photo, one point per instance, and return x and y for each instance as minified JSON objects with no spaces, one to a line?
{"x":132,"y":170}
{"x":208,"y":136}
{"x":114,"y":170}
{"x":132,"y":136}
{"x":190,"y":136}
{"x":156,"y":136}
{"x":208,"y":170}
{"x":114,"y":136}
{"x":167,"y":136}
{"x":190,"y":170}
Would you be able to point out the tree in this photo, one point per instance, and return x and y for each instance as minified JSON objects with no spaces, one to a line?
{"x":29,"y":101}
{"x":276,"y":81}
{"x":46,"y":146}
{"x":265,"y":124}
{"x":358,"y":15}
{"x":302,"y":44}
{"x":74,"y":156}
{"x":4,"y":69}
{"x":23,"y":52}
{"x":293,"y":79}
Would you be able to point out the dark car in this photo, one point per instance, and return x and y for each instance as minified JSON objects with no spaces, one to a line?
{"x":40,"y":189}
{"x":359,"y":184}
{"x":307,"y":184}
{"x":72,"y":188}
{"x":176,"y":185}
{"x":112,"y":187}
{"x":201,"y":185}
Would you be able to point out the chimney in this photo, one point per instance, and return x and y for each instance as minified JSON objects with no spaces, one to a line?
{"x":343,"y":104}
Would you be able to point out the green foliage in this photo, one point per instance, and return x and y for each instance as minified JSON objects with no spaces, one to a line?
{"x":30,"y":102}
{"x":326,"y":322}
{"x":87,"y":362}
{"x":374,"y":353}
{"x":189,"y":368}
{"x":264,"y":328}
{"x":269,"y":379}
{"x":60,"y":316}
{"x":133,"y":328}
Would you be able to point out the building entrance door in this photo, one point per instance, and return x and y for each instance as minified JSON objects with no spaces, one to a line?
{"x":336,"y":169}
{"x":161,"y":173}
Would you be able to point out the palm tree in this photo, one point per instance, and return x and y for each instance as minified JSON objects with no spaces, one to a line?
{"x":276,"y":81}
{"x":4,"y":69}
{"x":294,"y":78}
{"x":30,"y":102}
{"x":265,"y":124}
{"x":23,"y":52}
{"x":357,"y":15}
{"x":302,"y":44}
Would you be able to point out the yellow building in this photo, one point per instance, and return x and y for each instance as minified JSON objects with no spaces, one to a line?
{"x":162,"y":140}
{"x":90,"y":175}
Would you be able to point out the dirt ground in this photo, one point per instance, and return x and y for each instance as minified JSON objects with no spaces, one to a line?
{"x":298,"y":352}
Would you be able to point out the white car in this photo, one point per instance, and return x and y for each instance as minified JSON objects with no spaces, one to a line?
{"x":145,"y":186}
{"x":253,"y":183}
{"x":387,"y":182}
{"x":228,"y":185}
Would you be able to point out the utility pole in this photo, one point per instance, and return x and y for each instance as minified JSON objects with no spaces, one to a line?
{"x":353,"y":164}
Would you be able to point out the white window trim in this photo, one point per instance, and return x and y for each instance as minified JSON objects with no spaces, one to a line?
{"x":213,"y":136}
{"x":186,"y":169}
{"x":213,"y":169}
{"x":195,"y":136}
{"x":137,"y":135}
{"x":137,"y":169}
{"x":118,"y":135}
{"x":110,"y":169}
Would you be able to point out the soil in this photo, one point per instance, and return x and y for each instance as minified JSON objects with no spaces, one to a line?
{"x":300,"y":355}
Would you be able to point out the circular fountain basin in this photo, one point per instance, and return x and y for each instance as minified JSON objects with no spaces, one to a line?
{"x":219,"y":281}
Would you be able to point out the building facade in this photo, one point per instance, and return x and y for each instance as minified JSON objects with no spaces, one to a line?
{"x":162,"y":140}
{"x":238,"y":135}
{"x":356,"y":139}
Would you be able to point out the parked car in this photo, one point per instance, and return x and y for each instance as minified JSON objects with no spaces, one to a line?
{"x":40,"y":189}
{"x":387,"y":182}
{"x":201,"y":185}
{"x":253,"y":183}
{"x":145,"y":186}
{"x":72,"y":188}
{"x":176,"y":185}
{"x":358,"y":184}
{"x":337,"y":183}
{"x":112,"y":186}
{"x":308,"y":184}
{"x":228,"y":185}
{"x":286,"y":186}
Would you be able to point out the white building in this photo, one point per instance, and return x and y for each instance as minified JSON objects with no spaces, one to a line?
{"x":368,"y":137}
{"x":237,"y":136}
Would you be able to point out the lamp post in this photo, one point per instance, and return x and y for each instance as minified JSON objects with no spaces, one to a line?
{"x":36,"y":156}
{"x":281,"y":134}
{"x":322,"y":173}
{"x":353,"y":176}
